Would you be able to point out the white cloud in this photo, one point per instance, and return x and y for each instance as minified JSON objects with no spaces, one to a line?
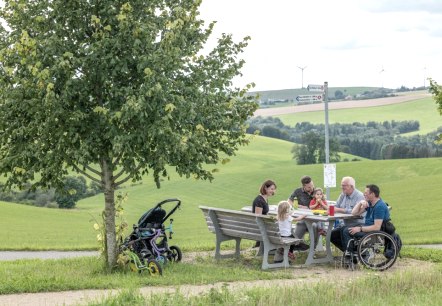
{"x":343,"y":42}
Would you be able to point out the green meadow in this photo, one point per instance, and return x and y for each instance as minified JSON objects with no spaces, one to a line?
{"x":423,"y":110}
{"x":410,"y":186}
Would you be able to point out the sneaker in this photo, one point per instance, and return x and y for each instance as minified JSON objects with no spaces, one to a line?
{"x":322,"y":232}
{"x":302,"y":246}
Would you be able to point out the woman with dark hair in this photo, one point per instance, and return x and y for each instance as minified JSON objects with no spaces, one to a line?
{"x":261,"y":203}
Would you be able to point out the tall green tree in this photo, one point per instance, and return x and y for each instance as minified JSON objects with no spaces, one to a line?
{"x":436,"y":90}
{"x":115,"y":90}
{"x":312,"y":149}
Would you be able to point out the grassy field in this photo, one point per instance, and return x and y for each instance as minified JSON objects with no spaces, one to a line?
{"x":423,"y":110}
{"x":410,"y":186}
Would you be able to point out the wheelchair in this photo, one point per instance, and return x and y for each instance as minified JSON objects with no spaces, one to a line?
{"x":376,"y":250}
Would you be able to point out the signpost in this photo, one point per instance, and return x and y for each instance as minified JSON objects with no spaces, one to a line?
{"x":327,"y":149}
{"x":315,"y":88}
{"x":329,"y":169}
{"x":309,"y":98}
{"x":329,"y":175}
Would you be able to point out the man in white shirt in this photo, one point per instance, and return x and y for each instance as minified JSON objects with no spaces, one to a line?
{"x":349,"y":197}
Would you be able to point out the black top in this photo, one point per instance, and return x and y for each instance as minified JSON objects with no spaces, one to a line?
{"x":260,"y":202}
{"x":302,"y":196}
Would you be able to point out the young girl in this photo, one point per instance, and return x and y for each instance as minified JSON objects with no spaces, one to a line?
{"x":285,"y":222}
{"x":319,"y":202}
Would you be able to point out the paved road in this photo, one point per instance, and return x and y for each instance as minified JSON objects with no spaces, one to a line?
{"x":14,"y":255}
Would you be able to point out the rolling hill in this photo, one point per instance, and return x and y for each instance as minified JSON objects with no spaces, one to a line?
{"x":410,"y":186}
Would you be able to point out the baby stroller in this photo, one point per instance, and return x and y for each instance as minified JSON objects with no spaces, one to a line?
{"x":149,"y":241}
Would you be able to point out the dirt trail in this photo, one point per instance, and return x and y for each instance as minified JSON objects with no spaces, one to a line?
{"x":301,"y":275}
{"x":342,"y":105}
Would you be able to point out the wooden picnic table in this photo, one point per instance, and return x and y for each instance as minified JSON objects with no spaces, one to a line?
{"x":310,"y":219}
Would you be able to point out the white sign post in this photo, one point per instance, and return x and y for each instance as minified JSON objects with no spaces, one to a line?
{"x":329,"y":175}
{"x":309,"y":98}
{"x":316,"y":88}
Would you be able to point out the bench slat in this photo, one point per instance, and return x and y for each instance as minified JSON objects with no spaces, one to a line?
{"x":231,"y":224}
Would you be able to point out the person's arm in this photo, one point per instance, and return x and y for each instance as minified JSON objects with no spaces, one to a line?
{"x":291,"y":198}
{"x":324,"y":205}
{"x":359,"y":208}
{"x":313,"y":204}
{"x":299,"y":218}
{"x":367,"y":228}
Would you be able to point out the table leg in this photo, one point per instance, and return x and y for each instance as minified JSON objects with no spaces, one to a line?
{"x":311,"y":254}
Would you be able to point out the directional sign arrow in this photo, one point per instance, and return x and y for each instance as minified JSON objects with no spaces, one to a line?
{"x":309,"y":98}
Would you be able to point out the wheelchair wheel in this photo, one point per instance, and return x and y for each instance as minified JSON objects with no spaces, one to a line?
{"x":377,"y":251}
{"x":175,"y":254}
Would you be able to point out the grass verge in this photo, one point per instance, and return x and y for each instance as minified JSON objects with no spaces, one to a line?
{"x":401,"y":288}
{"x":23,"y":276}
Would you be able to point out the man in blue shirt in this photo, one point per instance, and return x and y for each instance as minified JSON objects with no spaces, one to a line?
{"x":377,"y":212}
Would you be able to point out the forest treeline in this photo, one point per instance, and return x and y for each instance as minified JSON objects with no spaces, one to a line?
{"x":373,"y":140}
{"x":75,"y":189}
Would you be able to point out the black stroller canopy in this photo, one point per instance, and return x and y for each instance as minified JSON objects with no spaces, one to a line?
{"x":157,"y":215}
{"x":154,"y":215}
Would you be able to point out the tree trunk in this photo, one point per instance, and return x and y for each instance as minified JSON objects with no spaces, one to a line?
{"x":111,"y":250}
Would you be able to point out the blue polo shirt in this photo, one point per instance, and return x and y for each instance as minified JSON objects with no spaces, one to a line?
{"x":378,"y":211}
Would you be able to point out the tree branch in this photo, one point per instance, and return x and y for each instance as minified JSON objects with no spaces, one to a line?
{"x":122,"y":181}
{"x":92,"y":170}
{"x":87,"y":174}
{"x":125,"y":179}
{"x":117,"y":160}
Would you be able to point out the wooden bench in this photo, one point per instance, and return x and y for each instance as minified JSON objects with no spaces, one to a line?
{"x":236,"y":225}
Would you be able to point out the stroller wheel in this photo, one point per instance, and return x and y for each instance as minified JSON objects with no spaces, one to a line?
{"x":161,"y":260}
{"x":154,"y":267}
{"x":174,"y":254}
{"x":133,"y":267}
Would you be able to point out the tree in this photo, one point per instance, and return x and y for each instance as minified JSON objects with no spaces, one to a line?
{"x":312,"y":149}
{"x":339,"y":94}
{"x":436,"y":90}
{"x":74,"y":189}
{"x":115,"y":90}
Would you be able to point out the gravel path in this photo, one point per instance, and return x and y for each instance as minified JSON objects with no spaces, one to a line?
{"x":301,"y":276}
{"x":14,"y":255}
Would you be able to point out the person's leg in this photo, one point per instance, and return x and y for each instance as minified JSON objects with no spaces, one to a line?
{"x":346,"y":237}
{"x":336,"y":238}
{"x":316,"y":234}
{"x":301,"y":229}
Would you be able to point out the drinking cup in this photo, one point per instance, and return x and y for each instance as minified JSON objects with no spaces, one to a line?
{"x":331,"y":210}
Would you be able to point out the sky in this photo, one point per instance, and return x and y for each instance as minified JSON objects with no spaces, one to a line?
{"x":294,"y":43}
{"x":380,"y":43}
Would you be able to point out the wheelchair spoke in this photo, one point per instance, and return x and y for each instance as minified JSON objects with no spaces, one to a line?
{"x":377,"y":251}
